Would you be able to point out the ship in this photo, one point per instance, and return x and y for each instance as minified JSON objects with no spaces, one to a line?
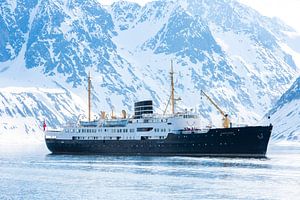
{"x":149,"y":134}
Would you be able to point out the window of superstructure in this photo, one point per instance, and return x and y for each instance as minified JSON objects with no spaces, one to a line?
{"x":144,"y":129}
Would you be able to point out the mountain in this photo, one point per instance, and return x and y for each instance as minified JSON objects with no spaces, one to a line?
{"x":285,"y":114}
{"x":243,"y":60}
{"x":26,"y":107}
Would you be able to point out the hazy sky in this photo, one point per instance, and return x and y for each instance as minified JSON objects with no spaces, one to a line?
{"x":287,"y":10}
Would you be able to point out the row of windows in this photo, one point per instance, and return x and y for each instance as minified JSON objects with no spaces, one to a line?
{"x":153,"y":120}
{"x":161,"y":130}
{"x":110,"y":138}
{"x":99,"y":130}
{"x":189,"y":116}
{"x":114,"y":130}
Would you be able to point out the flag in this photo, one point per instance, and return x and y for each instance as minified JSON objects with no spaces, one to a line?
{"x":44,"y":125}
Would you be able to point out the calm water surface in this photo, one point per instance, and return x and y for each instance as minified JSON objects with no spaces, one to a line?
{"x":31,"y":172}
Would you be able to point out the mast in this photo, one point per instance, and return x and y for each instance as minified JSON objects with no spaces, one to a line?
{"x":172,"y":96}
{"x":89,"y":96}
{"x":172,"y":89}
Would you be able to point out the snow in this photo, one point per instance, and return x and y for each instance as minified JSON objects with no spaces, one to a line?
{"x":286,"y":121}
{"x":255,"y":78}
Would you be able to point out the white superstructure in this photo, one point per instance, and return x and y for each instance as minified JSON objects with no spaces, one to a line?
{"x":149,"y":126}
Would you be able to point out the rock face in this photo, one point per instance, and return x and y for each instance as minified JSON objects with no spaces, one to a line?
{"x":243,"y":60}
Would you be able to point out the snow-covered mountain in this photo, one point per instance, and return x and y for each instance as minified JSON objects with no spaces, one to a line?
{"x":285,"y":115}
{"x":245,"y":61}
{"x":26,"y":106}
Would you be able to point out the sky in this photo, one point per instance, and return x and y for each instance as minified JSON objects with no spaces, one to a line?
{"x":286,"y":10}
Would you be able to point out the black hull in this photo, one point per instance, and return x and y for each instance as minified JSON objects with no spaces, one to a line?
{"x":227,"y":142}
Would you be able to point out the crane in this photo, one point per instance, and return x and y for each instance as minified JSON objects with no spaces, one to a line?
{"x":226,"y":121}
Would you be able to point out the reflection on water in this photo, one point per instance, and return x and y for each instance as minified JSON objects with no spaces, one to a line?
{"x":35,"y":174}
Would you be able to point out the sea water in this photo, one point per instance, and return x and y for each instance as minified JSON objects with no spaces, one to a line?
{"x":31,"y":172}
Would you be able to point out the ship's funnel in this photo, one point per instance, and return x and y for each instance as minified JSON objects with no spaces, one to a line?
{"x":142,"y":107}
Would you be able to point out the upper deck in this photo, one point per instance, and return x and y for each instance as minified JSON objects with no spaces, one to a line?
{"x":150,"y":126}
